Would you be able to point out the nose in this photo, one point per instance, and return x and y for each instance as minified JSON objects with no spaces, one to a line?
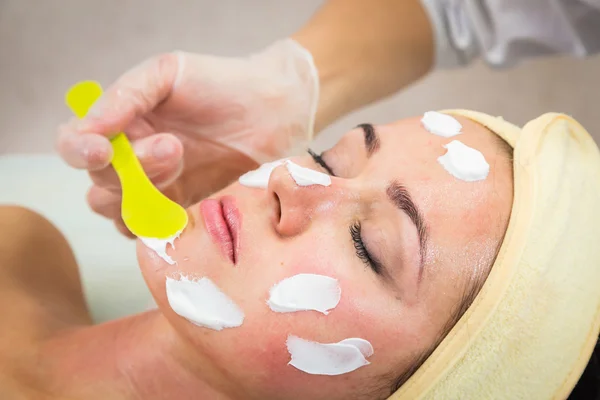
{"x":297,"y":206}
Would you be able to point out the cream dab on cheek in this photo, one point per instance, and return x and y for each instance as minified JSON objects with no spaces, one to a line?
{"x":304,"y":292}
{"x":159,"y":246}
{"x":328,"y":358}
{"x":464,"y":162}
{"x":441,"y":124}
{"x":202,"y":303}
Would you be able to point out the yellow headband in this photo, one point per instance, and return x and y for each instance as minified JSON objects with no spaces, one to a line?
{"x":531,"y":330}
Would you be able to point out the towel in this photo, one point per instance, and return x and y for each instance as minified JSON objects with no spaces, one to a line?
{"x":532,"y":328}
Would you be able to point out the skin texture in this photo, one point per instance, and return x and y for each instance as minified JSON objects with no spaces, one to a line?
{"x":287,"y":230}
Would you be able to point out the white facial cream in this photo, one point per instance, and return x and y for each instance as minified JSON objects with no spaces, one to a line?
{"x":160,"y":246}
{"x":441,"y":124}
{"x":304,"y":292}
{"x":464,"y":162}
{"x":202,"y":303}
{"x":306,"y":176}
{"x":259,"y":178}
{"x":328,"y":358}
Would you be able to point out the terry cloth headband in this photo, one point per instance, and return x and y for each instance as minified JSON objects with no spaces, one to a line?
{"x":532,"y":328}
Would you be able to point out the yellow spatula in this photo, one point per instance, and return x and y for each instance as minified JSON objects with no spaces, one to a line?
{"x":146,"y":211}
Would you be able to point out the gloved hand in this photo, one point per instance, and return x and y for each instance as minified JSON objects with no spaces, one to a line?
{"x":197,"y":122}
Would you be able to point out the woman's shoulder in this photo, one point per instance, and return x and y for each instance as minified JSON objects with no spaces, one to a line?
{"x":41,"y":295}
{"x":39,"y":277}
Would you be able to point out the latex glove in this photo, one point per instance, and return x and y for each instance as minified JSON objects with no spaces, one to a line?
{"x":197,"y":122}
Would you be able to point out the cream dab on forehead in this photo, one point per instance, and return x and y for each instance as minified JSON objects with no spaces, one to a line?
{"x":464,"y":162}
{"x":305,"y":292}
{"x":328,"y":358}
{"x":441,"y":124}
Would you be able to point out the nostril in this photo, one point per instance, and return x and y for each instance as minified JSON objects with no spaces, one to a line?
{"x":277,"y":207}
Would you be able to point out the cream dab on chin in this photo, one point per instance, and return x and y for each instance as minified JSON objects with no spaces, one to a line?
{"x":202,"y":303}
{"x":441,"y":124}
{"x":159,"y":246}
{"x":464,"y":162}
{"x":328,"y":358}
{"x":305,"y":292}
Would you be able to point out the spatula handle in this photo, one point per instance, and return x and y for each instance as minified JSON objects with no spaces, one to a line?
{"x":80,"y":99}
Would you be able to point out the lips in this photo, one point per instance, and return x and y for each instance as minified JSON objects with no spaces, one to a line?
{"x":222,"y":220}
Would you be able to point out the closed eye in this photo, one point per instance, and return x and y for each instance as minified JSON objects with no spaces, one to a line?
{"x":319,"y":160}
{"x":355,"y":230}
{"x":361,"y":250}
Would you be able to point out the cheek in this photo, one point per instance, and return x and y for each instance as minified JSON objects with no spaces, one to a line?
{"x":153,"y":269}
{"x":363,"y":311}
{"x":264,"y":333}
{"x":257,"y":350}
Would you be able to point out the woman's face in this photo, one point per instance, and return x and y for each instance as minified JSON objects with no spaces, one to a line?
{"x":426,"y":235}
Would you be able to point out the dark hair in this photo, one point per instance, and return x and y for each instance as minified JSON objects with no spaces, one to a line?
{"x":588,"y":386}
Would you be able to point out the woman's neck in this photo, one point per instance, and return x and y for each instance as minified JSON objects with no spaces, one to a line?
{"x":139,"y":357}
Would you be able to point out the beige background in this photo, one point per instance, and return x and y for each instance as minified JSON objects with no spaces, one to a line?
{"x":46,"y":45}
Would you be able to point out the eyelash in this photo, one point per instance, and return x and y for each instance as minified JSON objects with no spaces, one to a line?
{"x":318,"y":158}
{"x":355,"y":230}
{"x":361,"y":250}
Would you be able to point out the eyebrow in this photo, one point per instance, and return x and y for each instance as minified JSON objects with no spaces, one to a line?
{"x":399,"y":195}
{"x":372,"y":142}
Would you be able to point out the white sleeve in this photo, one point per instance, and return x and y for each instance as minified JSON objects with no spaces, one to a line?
{"x":504,"y":32}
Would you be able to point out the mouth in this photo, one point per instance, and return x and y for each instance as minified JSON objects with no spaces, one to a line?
{"x":222,"y":220}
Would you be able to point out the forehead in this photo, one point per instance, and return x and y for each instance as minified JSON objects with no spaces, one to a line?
{"x":466,"y":220}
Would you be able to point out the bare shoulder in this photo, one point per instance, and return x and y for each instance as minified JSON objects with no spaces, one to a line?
{"x":40,"y":292}
{"x":38,"y":272}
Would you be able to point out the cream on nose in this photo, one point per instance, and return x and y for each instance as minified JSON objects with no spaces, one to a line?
{"x":259,"y":178}
{"x":306,"y":176}
{"x":295,"y":203}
